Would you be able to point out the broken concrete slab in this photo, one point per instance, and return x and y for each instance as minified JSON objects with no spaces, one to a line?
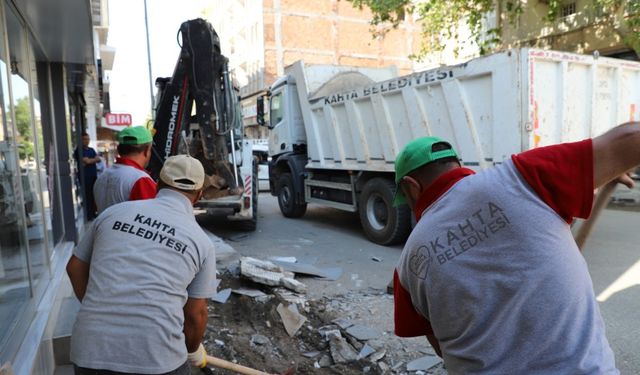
{"x":343,"y":323}
{"x":258,"y":339}
{"x":293,"y":284}
{"x":253,"y":293}
{"x":291,"y":320}
{"x":325,"y":361}
{"x":363,"y":333}
{"x":341,"y":351}
{"x":260,"y":271}
{"x":311,"y":354}
{"x":284,"y":259}
{"x":222,"y":296}
{"x":309,"y":269}
{"x":375,"y":357}
{"x":423,"y":363}
{"x":366,"y":351}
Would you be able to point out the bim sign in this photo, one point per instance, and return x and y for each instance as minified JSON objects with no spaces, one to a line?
{"x":118,"y":119}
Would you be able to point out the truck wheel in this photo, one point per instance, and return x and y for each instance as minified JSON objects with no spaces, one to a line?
{"x":250,"y":225}
{"x":287,"y":199}
{"x":383,"y":223}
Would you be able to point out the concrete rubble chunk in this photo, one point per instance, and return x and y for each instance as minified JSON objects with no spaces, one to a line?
{"x":366,"y":351}
{"x":423,"y":363}
{"x":260,"y":272}
{"x":254,"y":293}
{"x":341,"y":351}
{"x":222,"y":296}
{"x":375,"y":357}
{"x":292,"y":321}
{"x":311,"y":354}
{"x":343,"y":323}
{"x":363,"y":333}
{"x":292,"y":284}
{"x":258,"y":339}
{"x":325,"y":361}
{"x":384,"y":368}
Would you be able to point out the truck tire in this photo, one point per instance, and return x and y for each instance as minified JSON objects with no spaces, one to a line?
{"x":383,"y":223}
{"x":251,"y":224}
{"x":287,"y":198}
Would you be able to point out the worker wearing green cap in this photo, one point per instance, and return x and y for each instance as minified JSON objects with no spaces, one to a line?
{"x":491,"y":273}
{"x":127,"y":179}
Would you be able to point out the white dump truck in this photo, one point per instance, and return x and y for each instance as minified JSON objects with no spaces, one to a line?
{"x":336,"y":131}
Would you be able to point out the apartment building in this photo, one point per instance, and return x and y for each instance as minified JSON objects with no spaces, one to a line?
{"x":262,"y":37}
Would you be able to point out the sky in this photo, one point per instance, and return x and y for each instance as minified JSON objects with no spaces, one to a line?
{"x":129,"y":78}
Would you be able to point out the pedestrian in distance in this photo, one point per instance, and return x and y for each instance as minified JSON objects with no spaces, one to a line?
{"x":144,"y":271}
{"x":126,"y":179}
{"x":491,"y":273}
{"x":87,"y":158}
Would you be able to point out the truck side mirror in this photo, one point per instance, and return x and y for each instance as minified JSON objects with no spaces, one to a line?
{"x":260,"y":110}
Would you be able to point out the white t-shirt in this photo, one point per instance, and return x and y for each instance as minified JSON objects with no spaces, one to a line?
{"x":146,"y":258}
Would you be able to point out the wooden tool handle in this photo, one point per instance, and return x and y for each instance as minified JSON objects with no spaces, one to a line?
{"x":221,"y":363}
{"x":600,"y":203}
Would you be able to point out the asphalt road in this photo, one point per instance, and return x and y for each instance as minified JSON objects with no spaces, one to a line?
{"x":331,"y":238}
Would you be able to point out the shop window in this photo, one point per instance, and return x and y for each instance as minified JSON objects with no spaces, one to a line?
{"x":29,"y":150}
{"x":45,"y":156}
{"x":15,"y":290}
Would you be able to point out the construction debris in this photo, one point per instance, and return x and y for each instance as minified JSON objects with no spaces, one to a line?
{"x":423,"y":363}
{"x":363,"y":333}
{"x":292,"y":320}
{"x":267,"y":273}
{"x":222,"y":296}
{"x":341,"y":351}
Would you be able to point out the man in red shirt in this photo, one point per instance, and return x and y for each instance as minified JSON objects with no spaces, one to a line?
{"x":491,"y":274}
{"x":127,"y":180}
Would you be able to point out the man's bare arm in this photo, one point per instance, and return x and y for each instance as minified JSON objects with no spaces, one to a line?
{"x":195,"y":322}
{"x":78,"y":272}
{"x":615,"y":153}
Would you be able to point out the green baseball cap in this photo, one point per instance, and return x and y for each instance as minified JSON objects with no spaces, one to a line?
{"x":134,"y":135}
{"x":416,"y":154}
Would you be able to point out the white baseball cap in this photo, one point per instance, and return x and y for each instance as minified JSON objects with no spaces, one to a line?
{"x":182,"y":172}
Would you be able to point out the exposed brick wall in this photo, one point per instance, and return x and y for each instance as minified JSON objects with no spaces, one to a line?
{"x":330,"y":32}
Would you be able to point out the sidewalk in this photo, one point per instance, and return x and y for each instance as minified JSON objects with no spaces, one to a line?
{"x":613,"y":256}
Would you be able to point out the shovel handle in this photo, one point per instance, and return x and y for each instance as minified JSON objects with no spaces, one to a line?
{"x":221,"y":363}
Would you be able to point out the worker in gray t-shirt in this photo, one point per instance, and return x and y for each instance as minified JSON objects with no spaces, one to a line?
{"x":144,"y":271}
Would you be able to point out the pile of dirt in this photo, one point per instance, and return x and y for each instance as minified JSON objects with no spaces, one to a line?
{"x":250,"y":331}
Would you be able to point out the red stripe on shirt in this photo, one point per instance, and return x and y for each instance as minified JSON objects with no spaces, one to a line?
{"x":562,"y":176}
{"x":408,"y":322}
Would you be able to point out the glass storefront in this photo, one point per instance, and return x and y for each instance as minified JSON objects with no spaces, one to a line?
{"x":15,"y":286}
{"x":29,"y":183}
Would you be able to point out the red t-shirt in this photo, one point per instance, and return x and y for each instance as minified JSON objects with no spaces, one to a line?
{"x":561,"y":175}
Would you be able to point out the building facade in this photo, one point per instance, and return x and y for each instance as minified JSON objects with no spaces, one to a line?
{"x":50,"y":92}
{"x":262,"y":37}
{"x":580,"y":27}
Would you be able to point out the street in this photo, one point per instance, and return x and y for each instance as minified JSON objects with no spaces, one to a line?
{"x":328,"y":237}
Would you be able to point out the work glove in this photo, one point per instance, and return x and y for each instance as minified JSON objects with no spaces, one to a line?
{"x":198,"y":358}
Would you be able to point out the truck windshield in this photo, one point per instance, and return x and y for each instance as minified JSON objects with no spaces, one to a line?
{"x":276,"y":111}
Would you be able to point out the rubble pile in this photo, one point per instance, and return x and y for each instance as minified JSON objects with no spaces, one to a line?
{"x":264,"y":325}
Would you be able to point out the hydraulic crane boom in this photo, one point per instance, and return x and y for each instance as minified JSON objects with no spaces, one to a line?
{"x":200,"y":77}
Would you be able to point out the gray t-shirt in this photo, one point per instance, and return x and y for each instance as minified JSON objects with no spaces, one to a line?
{"x":498,"y":275}
{"x":146,"y":257}
{"x":114,"y":185}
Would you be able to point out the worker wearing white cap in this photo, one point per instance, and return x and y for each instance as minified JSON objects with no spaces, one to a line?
{"x":144,"y":272}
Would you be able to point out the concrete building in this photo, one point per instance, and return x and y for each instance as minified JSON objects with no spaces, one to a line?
{"x":52,"y":58}
{"x":261,"y":37}
{"x":580,"y":27}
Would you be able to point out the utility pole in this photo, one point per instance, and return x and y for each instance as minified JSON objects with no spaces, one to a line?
{"x":146,"y":27}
